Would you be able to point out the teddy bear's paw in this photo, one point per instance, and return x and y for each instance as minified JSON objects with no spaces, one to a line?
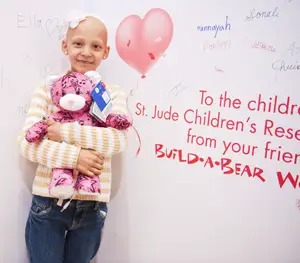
{"x":62,"y":183}
{"x":120,"y":122}
{"x":87,"y":185}
{"x":36,"y":132}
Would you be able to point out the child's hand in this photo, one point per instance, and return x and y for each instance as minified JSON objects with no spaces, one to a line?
{"x":90,"y":162}
{"x":53,"y":131}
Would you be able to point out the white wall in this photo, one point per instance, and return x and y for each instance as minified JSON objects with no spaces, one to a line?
{"x":163,"y":210}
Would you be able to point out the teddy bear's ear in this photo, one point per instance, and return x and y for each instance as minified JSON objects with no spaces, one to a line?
{"x":94,"y":76}
{"x":51,"y":79}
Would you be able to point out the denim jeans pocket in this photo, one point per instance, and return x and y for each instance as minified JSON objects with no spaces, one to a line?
{"x":41,"y":206}
{"x":102,"y":211}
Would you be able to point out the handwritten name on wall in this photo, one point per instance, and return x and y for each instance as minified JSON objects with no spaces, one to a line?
{"x":215,"y":28}
{"x":206,"y":115}
{"x":209,"y":45}
{"x":256,"y":15}
{"x":54,"y":27}
{"x":264,"y":46}
{"x":282,"y":65}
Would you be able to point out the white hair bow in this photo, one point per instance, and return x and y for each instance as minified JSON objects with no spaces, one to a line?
{"x":74,"y":19}
{"x":74,"y":22}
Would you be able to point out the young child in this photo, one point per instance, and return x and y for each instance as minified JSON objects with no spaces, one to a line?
{"x":71,"y":236}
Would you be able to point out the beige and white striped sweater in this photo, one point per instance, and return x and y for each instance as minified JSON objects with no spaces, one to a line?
{"x":49,"y":154}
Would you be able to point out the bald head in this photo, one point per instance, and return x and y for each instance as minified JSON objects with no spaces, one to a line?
{"x":91,"y":24}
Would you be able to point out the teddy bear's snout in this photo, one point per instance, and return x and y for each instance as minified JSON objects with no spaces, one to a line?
{"x":72,"y":102}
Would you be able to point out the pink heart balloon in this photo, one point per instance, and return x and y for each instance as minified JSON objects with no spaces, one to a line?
{"x":141,"y":42}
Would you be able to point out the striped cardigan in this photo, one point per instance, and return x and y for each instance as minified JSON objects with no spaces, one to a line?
{"x":50,"y":154}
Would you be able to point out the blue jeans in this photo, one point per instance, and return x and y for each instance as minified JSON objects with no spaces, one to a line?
{"x":71,"y":236}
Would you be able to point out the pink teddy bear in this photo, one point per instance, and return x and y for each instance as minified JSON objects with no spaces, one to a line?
{"x":72,"y":95}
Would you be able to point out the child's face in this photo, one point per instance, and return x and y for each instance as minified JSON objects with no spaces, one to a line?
{"x":86,"y":45}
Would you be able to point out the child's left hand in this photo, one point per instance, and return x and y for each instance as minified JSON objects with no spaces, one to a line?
{"x":53,"y":132}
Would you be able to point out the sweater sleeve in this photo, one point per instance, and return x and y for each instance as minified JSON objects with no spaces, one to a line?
{"x":45,"y":152}
{"x":104,"y":140}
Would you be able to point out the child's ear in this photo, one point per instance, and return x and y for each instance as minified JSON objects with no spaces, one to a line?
{"x":64,"y":47}
{"x":106,"y":53}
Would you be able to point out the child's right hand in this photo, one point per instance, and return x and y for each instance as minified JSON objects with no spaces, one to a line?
{"x":90,"y":162}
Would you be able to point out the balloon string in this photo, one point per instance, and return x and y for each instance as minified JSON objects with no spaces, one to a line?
{"x":137,"y":133}
{"x":139,"y":140}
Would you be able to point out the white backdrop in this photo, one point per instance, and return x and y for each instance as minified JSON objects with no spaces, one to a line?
{"x":166,"y":210}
